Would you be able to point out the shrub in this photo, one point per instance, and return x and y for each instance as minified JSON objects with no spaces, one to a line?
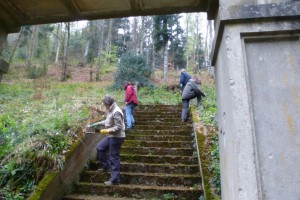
{"x":35,"y":72}
{"x":133,"y":68}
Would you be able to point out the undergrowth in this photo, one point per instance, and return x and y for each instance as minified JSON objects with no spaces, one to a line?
{"x":209,"y":119}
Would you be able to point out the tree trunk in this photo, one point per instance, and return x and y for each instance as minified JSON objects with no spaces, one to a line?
{"x":100,"y":51}
{"x":57,"y":53}
{"x":197,"y":44}
{"x":86,"y":52}
{"x":58,"y":43}
{"x":31,"y":46}
{"x":142,"y":36}
{"x":65,"y":59}
{"x":209,"y":38}
{"x":16,"y":46}
{"x":153,"y":56}
{"x":187,"y":37}
{"x":109,"y":36}
{"x":166,"y":62}
{"x":153,"y":45}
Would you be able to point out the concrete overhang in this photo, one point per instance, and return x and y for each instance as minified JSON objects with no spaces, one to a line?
{"x":16,"y":13}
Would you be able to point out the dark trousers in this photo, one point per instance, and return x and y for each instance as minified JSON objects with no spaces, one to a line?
{"x":113,"y":146}
{"x":185,"y":109}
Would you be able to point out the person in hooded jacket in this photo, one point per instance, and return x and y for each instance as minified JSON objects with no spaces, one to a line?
{"x":131,"y":102}
{"x":190,"y":91}
{"x":184,"y":78}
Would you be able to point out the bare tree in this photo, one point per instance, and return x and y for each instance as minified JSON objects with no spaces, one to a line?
{"x":65,"y":59}
{"x":101,"y":27}
{"x":58,"y":42}
{"x":31,"y":45}
{"x":187,"y":36}
{"x":16,"y":45}
{"x":142,"y":33}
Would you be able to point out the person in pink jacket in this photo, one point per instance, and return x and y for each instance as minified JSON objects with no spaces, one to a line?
{"x":131,"y":102}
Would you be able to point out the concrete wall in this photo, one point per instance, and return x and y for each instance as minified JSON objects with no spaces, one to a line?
{"x":257,"y":64}
{"x":63,"y":181}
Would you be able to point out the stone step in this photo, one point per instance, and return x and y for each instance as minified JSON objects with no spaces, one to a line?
{"x":93,"y":197}
{"x":157,"y":132}
{"x":139,"y":191}
{"x":157,"y":116}
{"x":158,"y":107}
{"x":164,"y":144}
{"x":157,"y":112}
{"x":158,"y":137}
{"x":139,"y":167}
{"x":154,"y":179}
{"x":161,"y":120}
{"x":163,"y":127}
{"x":157,"y":151}
{"x":158,"y":122}
{"x":159,"y":159}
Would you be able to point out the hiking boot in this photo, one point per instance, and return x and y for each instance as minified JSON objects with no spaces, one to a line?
{"x":104,"y":169}
{"x":111,"y":183}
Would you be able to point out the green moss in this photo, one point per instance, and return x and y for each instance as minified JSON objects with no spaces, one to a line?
{"x":72,"y":149}
{"x":193,"y":111}
{"x":43,"y":184}
{"x":205,"y":150}
{"x":134,"y":143}
{"x":205,"y":163}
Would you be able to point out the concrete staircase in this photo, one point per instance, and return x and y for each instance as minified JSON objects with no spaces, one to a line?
{"x":158,"y":161}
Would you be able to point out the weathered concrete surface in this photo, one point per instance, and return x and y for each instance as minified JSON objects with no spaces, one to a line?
{"x":274,"y":70}
{"x":258,"y":97}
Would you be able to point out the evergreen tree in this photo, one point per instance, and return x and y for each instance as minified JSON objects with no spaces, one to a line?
{"x":133,"y":67}
{"x":164,"y":27}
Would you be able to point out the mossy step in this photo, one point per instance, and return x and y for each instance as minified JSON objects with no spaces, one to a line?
{"x":150,"y":108}
{"x":176,"y":180}
{"x":159,"y":137}
{"x":158,"y":122}
{"x":153,"y":167}
{"x":158,"y":112}
{"x":139,"y":191}
{"x":153,"y":107}
{"x":158,"y":132}
{"x":162,"y":127}
{"x":159,"y":159}
{"x":157,"y":151}
{"x":164,"y":144}
{"x":157,"y":116}
{"x":92,"y":197}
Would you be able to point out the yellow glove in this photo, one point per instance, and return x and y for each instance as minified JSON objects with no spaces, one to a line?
{"x":104,"y":131}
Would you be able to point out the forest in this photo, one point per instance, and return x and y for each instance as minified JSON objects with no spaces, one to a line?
{"x":57,"y":71}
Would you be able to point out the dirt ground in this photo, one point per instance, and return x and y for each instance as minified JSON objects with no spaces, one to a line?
{"x":83,"y":74}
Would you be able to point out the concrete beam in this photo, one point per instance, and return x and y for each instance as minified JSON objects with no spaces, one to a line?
{"x":251,"y":13}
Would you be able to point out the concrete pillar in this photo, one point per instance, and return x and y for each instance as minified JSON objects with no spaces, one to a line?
{"x":256,"y":55}
{"x":3,"y":64}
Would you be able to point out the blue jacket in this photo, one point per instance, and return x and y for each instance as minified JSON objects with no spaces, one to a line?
{"x":184,"y":78}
